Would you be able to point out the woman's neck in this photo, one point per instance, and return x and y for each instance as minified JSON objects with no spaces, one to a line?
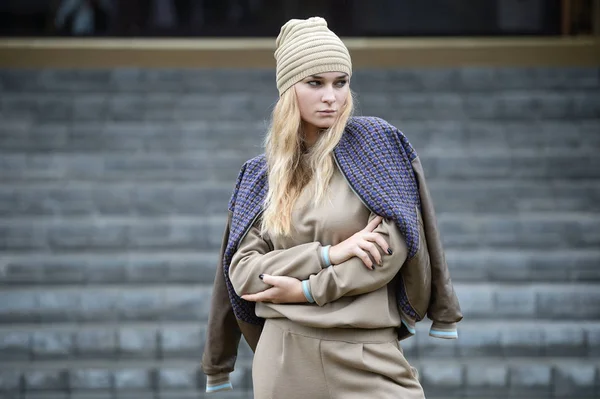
{"x":311,"y":134}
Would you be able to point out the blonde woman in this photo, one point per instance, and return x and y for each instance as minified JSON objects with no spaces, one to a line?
{"x":331,"y":252}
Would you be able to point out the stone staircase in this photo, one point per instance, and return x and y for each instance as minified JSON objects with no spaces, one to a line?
{"x":113,"y":201}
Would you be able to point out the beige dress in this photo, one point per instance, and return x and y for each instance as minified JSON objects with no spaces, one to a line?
{"x":343,"y":345}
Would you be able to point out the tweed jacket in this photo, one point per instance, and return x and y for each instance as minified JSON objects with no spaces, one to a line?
{"x":385,"y":172}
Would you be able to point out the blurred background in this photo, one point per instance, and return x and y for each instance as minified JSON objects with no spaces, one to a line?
{"x":155,"y":18}
{"x":123,"y":125}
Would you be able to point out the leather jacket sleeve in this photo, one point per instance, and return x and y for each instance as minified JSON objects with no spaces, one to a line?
{"x":444,"y":309}
{"x":222,"y":333}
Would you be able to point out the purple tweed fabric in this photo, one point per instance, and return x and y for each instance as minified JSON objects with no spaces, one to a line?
{"x":376,"y":159}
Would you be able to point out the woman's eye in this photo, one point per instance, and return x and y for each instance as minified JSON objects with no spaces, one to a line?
{"x":341,"y":83}
{"x":314,"y":83}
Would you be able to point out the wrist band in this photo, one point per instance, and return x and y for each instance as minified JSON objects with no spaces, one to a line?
{"x":306,"y":290}
{"x":325,"y":255}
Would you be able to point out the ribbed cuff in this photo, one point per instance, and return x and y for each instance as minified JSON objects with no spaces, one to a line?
{"x":409,"y":327}
{"x":306,"y":290}
{"x":443,"y":330}
{"x":325,"y":261}
{"x":218,"y":382}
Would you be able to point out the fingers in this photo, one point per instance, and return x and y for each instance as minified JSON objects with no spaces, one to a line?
{"x":371,"y":249}
{"x":262,"y":296}
{"x":372,"y":225}
{"x":377,"y":238}
{"x":364,"y":256}
{"x":268,"y":279}
{"x":265,"y":295}
{"x":282,"y":289}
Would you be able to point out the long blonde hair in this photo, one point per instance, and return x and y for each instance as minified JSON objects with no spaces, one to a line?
{"x":289,"y":171}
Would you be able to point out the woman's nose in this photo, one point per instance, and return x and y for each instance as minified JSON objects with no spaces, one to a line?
{"x":328,"y":95}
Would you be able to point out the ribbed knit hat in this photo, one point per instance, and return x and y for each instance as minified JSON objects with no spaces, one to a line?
{"x":306,"y":47}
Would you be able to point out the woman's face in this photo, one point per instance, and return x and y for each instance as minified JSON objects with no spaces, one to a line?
{"x":321,"y":98}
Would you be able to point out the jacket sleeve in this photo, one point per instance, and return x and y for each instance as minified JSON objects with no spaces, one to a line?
{"x":222,"y":333}
{"x":352,"y":277}
{"x":255,"y":256}
{"x":444,"y":309}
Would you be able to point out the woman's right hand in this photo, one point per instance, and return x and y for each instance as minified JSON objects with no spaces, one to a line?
{"x":361,"y":245}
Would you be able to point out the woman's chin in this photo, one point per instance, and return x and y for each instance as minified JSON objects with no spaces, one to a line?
{"x":324,"y":125}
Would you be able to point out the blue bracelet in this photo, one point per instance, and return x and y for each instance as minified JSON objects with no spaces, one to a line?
{"x":306,"y":290}
{"x":325,"y":255}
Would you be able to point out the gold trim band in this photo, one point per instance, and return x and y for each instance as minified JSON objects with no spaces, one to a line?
{"x":252,"y":53}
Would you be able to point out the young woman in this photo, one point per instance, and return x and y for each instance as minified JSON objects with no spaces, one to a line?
{"x":332,"y":236}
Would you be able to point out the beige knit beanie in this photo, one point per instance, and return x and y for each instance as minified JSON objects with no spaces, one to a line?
{"x":306,"y":47}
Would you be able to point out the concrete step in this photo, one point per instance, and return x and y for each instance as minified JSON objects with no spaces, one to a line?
{"x":199,"y":166}
{"x":150,"y":80}
{"x":473,"y":79}
{"x":112,"y":233}
{"x":231,"y":80}
{"x":501,"y":378}
{"x":514,"y":165}
{"x":118,"y":233}
{"x":531,"y":105}
{"x":23,"y":136}
{"x":104,"y":342}
{"x":183,"y":341}
{"x":485,"y":378}
{"x":202,"y":166}
{"x":193,"y":267}
{"x":125,"y":267}
{"x":181,"y":267}
{"x":146,"y":198}
{"x":526,"y":230}
{"x":514,"y":196}
{"x":147,"y":379}
{"x":160,"y":106}
{"x":504,"y":105}
{"x":477,"y":135}
{"x":177,"y":302}
{"x":97,"y":303}
{"x":520,"y":265}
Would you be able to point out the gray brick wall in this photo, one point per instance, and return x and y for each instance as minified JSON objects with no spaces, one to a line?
{"x":113,"y":202}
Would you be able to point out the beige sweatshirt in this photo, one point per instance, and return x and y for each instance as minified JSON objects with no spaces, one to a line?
{"x":346,"y":295}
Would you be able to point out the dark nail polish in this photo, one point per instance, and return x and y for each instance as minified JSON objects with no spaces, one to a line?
{"x":389,"y":251}
{"x":261,"y":276}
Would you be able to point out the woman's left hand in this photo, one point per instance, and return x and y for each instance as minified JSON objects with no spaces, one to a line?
{"x":284,"y":290}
